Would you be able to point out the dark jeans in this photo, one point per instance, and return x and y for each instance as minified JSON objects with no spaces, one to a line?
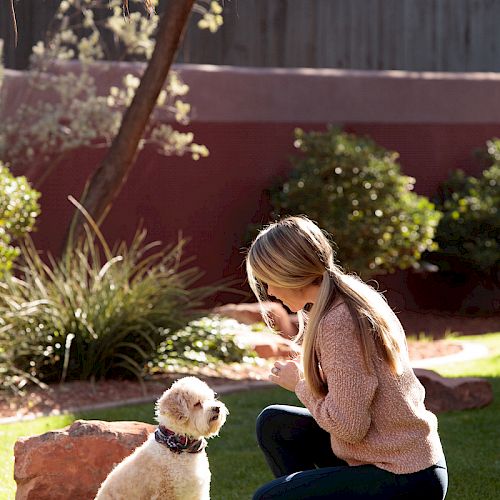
{"x":299,"y":454}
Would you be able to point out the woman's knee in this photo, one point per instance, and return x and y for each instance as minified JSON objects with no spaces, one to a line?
{"x":270,"y":490}
{"x":268,"y":421}
{"x":259,"y":494}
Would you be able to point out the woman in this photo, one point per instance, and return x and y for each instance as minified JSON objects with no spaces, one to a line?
{"x":365,"y":432}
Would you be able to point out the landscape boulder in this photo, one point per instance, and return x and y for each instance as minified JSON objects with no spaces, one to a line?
{"x":461,"y":393}
{"x":71,"y":463}
{"x":250,"y":313}
{"x":268,"y":345}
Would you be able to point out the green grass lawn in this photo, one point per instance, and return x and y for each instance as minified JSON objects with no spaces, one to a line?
{"x":471,"y":438}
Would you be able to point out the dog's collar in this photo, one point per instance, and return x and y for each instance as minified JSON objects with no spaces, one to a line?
{"x":179,"y":443}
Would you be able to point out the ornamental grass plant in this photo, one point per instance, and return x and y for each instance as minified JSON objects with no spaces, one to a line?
{"x":96,"y":312}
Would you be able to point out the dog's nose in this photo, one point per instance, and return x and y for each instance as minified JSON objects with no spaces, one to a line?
{"x":216,"y":409}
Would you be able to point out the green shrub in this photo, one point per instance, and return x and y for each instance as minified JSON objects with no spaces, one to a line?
{"x":18,"y":211}
{"x":354,"y":189}
{"x":206,"y":341}
{"x":86,"y":316}
{"x":469,"y":232}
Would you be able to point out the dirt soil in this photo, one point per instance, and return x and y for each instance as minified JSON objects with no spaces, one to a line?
{"x":71,"y":395}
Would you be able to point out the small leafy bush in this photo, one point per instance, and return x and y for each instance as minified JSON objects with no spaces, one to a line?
{"x":18,"y":211}
{"x":354,"y":189}
{"x":96,"y":312}
{"x":469,"y":231}
{"x":206,"y":341}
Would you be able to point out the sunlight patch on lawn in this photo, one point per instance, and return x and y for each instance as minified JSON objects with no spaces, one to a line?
{"x":485,"y":367}
{"x":9,"y":433}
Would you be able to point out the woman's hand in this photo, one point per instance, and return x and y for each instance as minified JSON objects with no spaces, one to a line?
{"x":286,"y":374}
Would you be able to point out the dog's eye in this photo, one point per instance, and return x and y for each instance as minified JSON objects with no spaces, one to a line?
{"x":198,"y":404}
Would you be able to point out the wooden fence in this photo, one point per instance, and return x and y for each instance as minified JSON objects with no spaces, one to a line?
{"x":417,"y":35}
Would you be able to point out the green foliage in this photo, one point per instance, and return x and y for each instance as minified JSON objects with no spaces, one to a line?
{"x":469,"y":231}
{"x":87,"y":316}
{"x":18,"y":211}
{"x":205,"y":341}
{"x":102,"y":29}
{"x":354,"y":189}
{"x":70,"y":111}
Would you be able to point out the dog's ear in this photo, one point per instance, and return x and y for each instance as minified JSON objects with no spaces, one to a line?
{"x":175,"y":404}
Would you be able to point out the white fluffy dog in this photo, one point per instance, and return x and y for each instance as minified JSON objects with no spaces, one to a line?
{"x":172,"y":464}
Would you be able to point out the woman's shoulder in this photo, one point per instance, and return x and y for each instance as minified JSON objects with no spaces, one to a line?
{"x":338,"y":338}
{"x":338,"y":313}
{"x":337,"y":320}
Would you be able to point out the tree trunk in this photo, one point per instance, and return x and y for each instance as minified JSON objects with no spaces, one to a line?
{"x":107,"y":181}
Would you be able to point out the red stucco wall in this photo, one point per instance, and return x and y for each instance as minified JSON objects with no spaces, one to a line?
{"x":246,"y":117}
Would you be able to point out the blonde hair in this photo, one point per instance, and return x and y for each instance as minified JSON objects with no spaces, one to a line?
{"x":293,"y":253}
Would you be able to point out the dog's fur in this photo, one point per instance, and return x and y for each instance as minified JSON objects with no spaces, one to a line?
{"x":155,"y":472}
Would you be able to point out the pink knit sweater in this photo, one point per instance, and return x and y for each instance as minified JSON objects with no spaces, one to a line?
{"x":372,"y":419}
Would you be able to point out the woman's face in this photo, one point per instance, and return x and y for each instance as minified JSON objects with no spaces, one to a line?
{"x":293,"y":298}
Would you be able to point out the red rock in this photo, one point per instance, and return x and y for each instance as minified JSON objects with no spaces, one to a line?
{"x":267,"y":344}
{"x":445,"y":394}
{"x":270,"y":351}
{"x":72,"y":462}
{"x":249,"y":313}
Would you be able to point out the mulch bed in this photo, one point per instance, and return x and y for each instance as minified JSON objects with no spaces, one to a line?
{"x":432,"y":349}
{"x":61,"y":397}
{"x":436,"y":324}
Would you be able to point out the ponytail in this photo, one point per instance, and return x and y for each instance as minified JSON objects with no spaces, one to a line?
{"x":310,"y":362}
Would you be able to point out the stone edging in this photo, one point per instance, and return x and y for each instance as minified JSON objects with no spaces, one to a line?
{"x":237,"y":386}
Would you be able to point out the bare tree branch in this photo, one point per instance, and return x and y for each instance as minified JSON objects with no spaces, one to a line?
{"x":13,"y":20}
{"x":148,"y":4}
